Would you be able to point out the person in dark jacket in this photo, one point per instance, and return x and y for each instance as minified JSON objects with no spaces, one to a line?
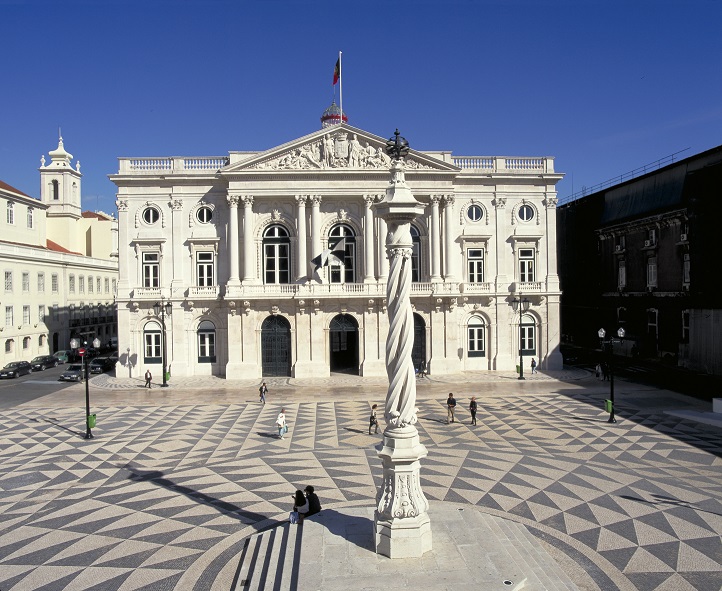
{"x":472,"y":410}
{"x":450,"y":406}
{"x":314,"y":504}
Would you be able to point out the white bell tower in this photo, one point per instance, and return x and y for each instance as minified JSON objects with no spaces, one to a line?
{"x":60,"y":183}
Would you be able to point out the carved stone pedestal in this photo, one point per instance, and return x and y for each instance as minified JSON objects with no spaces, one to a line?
{"x":403,"y":529}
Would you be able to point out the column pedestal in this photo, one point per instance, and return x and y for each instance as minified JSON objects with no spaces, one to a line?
{"x":403,"y":528}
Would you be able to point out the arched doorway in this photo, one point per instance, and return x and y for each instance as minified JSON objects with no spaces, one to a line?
{"x":56,"y":341}
{"x":343,"y":336}
{"x":418,"y":353}
{"x":276,"y":346}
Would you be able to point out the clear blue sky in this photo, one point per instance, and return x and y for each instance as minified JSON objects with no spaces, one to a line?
{"x":605,"y":86}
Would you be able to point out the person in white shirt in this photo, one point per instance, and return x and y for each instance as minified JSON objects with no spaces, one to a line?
{"x":281,"y":423}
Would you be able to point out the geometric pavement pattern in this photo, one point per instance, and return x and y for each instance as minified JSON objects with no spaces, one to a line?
{"x":164,"y":497}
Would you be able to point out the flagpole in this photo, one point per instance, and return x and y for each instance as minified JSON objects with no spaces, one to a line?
{"x":340,"y":83}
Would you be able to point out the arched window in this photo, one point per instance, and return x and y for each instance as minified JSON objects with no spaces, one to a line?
{"x":415,"y":254}
{"x":527,"y":332}
{"x":477,"y":337}
{"x":276,"y":255}
{"x":152,"y":335}
{"x":206,"y":342}
{"x":342,"y":242}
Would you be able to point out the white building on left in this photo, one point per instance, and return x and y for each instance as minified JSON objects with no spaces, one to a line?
{"x":59,"y":265}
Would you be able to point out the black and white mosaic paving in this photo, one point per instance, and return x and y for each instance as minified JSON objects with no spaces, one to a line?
{"x":162,"y":496}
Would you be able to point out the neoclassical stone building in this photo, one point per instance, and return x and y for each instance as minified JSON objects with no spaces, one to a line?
{"x":226,"y":244}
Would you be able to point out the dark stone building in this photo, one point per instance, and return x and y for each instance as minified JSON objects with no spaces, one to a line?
{"x":642,"y":255}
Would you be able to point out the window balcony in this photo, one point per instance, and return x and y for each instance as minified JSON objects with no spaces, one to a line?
{"x":203,"y":292}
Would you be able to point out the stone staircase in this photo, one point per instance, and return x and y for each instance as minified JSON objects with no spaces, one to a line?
{"x":471,"y":549}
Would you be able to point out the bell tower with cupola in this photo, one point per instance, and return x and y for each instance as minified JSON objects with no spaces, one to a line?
{"x":60,"y":183}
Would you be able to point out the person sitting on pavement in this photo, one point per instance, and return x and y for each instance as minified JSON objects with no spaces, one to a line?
{"x":314,"y":504}
{"x":300,"y":504}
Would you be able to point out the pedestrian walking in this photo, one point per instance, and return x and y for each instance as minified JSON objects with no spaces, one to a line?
{"x":533,"y":365}
{"x":262,"y":391}
{"x":472,"y":410}
{"x":373,"y":422}
{"x":598,"y":370}
{"x":281,"y":424}
{"x":148,"y":378}
{"x":450,"y":406}
{"x":422,"y":369}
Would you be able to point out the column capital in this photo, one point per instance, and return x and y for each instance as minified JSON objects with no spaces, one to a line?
{"x":500,"y":202}
{"x":449,"y":199}
{"x":369,"y":200}
{"x":233,"y":200}
{"x":122,"y":205}
{"x":315,"y":200}
{"x":176,"y":204}
{"x":550,"y":202}
{"x":301,"y":199}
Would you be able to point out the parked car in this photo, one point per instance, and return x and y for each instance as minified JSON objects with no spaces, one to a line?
{"x":63,"y":356}
{"x":73,"y":373}
{"x":44,"y":362}
{"x":15,"y":369}
{"x":101,"y":365}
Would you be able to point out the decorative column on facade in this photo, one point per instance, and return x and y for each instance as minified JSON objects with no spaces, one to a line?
{"x":316,"y":245}
{"x":403,"y":528}
{"x":234,"y":277}
{"x":369,"y":267}
{"x":449,"y":261}
{"x":554,"y":359}
{"x":249,"y":267}
{"x":435,"y":239}
{"x":550,"y":202}
{"x":123,"y":266}
{"x":383,"y":260}
{"x":302,"y":266}
{"x":177,"y":283}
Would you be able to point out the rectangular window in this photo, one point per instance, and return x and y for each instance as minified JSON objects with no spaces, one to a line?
{"x":526,"y":265}
{"x":26,"y":315}
{"x":71,"y":283}
{"x":30,"y":217}
{"x":475,"y":261}
{"x":41,"y":314}
{"x":107,"y":285}
{"x":8,"y":315}
{"x":652,"y":327}
{"x":151,"y":269}
{"x":81,"y":284}
{"x":97,"y":284}
{"x":90,"y":285}
{"x":622,"y":275}
{"x":9,"y":346}
{"x":476,"y":341}
{"x":528,"y":344}
{"x":41,"y":282}
{"x":55,"y":313}
{"x":685,"y":326}
{"x":685,"y":270}
{"x":26,"y":282}
{"x":206,"y":347}
{"x":204,"y":268}
{"x":277,"y":263}
{"x":54,"y":282}
{"x":652,"y":272}
{"x":8,"y":280}
{"x":152,"y":347}
{"x":11,"y":213}
{"x":115,"y":285}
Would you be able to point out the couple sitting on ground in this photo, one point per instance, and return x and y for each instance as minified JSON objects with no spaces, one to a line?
{"x":306,"y":505}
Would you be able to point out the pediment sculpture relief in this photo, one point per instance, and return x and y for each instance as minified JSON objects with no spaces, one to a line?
{"x":334,"y":150}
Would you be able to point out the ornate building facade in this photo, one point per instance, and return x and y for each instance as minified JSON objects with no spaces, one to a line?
{"x":60,"y":265}
{"x":225,"y":245}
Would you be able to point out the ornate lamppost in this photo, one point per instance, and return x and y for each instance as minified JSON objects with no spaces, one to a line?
{"x":403,"y":528}
{"x":608,"y":346}
{"x":521,"y":306}
{"x":161,"y":309}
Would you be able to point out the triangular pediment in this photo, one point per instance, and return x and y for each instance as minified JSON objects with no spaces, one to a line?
{"x":337,"y":148}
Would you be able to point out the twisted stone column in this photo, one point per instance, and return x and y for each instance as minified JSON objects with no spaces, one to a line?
{"x":403,"y":529}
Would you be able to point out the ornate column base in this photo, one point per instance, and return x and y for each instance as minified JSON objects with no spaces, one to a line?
{"x":403,"y":528}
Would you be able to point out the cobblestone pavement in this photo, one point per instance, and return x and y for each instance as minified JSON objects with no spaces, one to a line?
{"x":177,"y":479}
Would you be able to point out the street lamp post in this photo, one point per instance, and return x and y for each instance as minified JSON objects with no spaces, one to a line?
{"x":161,"y":309}
{"x":521,"y":306}
{"x":608,"y":345}
{"x":74,"y":343}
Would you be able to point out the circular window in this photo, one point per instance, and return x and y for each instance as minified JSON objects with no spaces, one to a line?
{"x":475,"y":213}
{"x":151,"y":215}
{"x":526,"y":213}
{"x":204,"y":214}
